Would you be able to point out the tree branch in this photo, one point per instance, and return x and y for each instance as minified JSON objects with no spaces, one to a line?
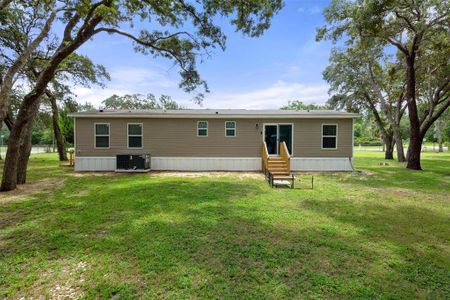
{"x":4,"y":4}
{"x":398,"y":45}
{"x":434,"y":116}
{"x":142,"y":42}
{"x":20,"y":62}
{"x":410,"y":25}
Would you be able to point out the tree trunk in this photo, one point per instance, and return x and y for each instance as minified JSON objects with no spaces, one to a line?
{"x":399,"y":145}
{"x":24,"y":155}
{"x":57,"y":130}
{"x":9,"y":121}
{"x":415,"y":138}
{"x":1,"y":126}
{"x":25,"y":117}
{"x":9,"y":180}
{"x":439,"y":128}
{"x":389,"y":147}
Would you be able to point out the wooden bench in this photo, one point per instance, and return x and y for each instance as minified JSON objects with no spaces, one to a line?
{"x":281,"y":179}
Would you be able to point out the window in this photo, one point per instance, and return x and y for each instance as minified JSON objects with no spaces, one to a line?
{"x":329,"y":136}
{"x":135,"y":135}
{"x":102,"y":135}
{"x":202,"y":128}
{"x":230,"y":128}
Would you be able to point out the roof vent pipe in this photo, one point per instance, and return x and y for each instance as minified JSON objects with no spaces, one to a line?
{"x":217,"y":112}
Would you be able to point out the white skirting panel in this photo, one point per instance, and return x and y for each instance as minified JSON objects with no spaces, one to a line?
{"x":206,"y":163}
{"x":217,"y":164}
{"x":103,"y":163}
{"x":321,"y":164}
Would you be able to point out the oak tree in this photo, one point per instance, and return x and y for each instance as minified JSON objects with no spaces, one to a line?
{"x":177,"y":30}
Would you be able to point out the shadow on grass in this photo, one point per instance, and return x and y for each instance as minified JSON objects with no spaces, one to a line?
{"x":418,"y":237}
{"x":396,"y":177}
{"x":435,"y":176}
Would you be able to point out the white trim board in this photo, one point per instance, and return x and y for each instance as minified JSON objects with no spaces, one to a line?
{"x":108,"y":163}
{"x":215,"y":116}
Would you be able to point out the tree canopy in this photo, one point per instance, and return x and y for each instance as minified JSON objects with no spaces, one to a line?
{"x":138,"y":101}
{"x":299,"y":105}
{"x":419,"y":32}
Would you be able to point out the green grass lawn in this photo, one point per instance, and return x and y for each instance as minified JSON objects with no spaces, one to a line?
{"x":380,"y":233}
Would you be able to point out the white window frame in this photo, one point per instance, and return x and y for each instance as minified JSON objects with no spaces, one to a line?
{"x":140,"y":135}
{"x":335,"y":136}
{"x":207,"y":129}
{"x":235,"y":129}
{"x":108,"y":135}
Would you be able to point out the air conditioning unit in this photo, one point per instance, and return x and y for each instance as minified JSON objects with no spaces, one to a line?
{"x":133,"y":162}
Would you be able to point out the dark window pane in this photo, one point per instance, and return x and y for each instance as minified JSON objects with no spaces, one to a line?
{"x":102,"y":141}
{"x":134,"y":141}
{"x":202,"y":132}
{"x":285,"y":132}
{"x":202,"y":124}
{"x":329,"y":142}
{"x":230,"y":125}
{"x":101,"y":129}
{"x":230,"y":132}
{"x":270,"y":137}
{"x":134,"y":129}
{"x":329,"y":129}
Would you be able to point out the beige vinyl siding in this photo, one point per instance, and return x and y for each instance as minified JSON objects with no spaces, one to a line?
{"x":178,"y":137}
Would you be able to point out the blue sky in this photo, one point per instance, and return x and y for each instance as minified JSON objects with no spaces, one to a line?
{"x":266,"y":72}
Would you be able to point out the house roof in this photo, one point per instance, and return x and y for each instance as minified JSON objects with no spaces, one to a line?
{"x":214,"y":113}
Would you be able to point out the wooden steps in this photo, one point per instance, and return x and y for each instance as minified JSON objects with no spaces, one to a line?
{"x":276,"y":165}
{"x":277,"y":168}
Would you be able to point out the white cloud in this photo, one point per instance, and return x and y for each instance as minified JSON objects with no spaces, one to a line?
{"x":140,"y":80}
{"x":127,"y":81}
{"x":141,"y":77}
{"x":272,"y":97}
{"x":96,"y":95}
{"x":313,"y":10}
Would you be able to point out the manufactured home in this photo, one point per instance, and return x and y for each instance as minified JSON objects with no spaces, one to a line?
{"x":214,"y":139}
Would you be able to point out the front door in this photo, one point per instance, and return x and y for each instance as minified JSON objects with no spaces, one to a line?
{"x":285,"y":135}
{"x":274,"y":134}
{"x":271,"y":138}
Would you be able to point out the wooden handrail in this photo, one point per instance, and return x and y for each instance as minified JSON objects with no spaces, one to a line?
{"x":284,"y":153}
{"x":264,"y":157}
{"x":71,"y":158}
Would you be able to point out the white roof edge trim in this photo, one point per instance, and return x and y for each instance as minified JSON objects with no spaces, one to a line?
{"x":315,"y":116}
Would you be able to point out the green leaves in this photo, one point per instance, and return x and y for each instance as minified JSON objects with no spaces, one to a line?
{"x":79,"y":69}
{"x":138,"y":101}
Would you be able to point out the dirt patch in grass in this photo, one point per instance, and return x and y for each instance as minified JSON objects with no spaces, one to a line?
{"x":24,"y":190}
{"x":64,"y":282}
{"x":84,"y":174}
{"x":243,"y":175}
{"x":399,"y":192}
